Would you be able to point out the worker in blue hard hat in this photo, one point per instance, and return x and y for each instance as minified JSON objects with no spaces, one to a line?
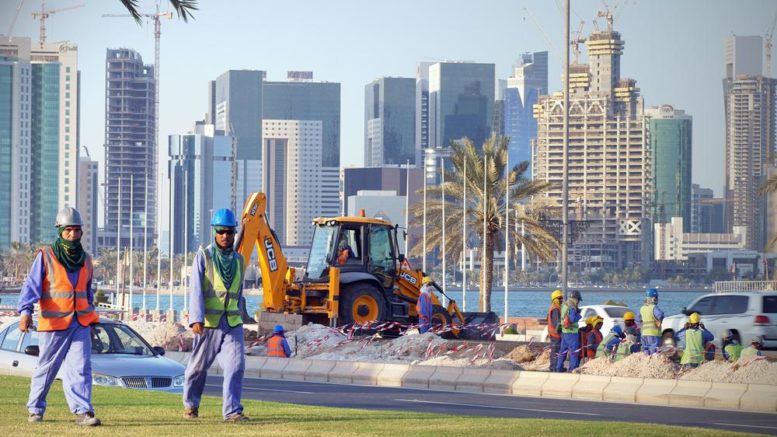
{"x":650,"y":318}
{"x":277,"y":346}
{"x":215,"y":290}
{"x":610,"y":346}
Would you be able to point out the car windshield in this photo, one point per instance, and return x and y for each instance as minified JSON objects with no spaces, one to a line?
{"x":616,"y":312}
{"x":118,"y":339}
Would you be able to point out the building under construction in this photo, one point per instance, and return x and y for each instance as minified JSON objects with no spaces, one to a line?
{"x":608,"y":169}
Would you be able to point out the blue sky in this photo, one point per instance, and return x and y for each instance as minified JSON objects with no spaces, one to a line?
{"x":674,"y":49}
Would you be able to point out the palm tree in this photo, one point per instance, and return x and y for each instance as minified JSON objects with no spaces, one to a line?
{"x":539,"y":242}
{"x":770,"y":186}
{"x":183,"y":8}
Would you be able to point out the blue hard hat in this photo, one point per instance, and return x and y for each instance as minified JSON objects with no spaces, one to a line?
{"x":278,"y":329}
{"x":224,"y":217}
{"x":617,"y":330}
{"x":651,"y":292}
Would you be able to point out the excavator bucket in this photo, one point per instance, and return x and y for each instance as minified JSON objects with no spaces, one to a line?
{"x":479,"y":326}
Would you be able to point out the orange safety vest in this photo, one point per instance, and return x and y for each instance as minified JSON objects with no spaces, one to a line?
{"x":60,"y":300}
{"x":275,"y":347}
{"x":591,"y":352}
{"x":552,"y":332}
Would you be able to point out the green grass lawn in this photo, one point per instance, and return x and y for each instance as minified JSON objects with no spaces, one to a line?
{"x":142,"y":414}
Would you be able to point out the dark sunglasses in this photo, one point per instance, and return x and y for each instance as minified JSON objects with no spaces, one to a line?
{"x":225,"y":231}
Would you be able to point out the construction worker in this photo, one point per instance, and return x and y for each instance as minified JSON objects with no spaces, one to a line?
{"x":731,"y":347}
{"x":60,"y":279}
{"x":631,"y":329}
{"x":754,"y":350}
{"x":650,"y":318}
{"x":570,"y":338}
{"x":610,"y":346}
{"x":694,"y":337}
{"x":594,"y":337}
{"x":277,"y":346}
{"x":424,"y":306}
{"x":554,"y":326}
{"x":215,"y":308}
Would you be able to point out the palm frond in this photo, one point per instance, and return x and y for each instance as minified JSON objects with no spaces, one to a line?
{"x":184,"y":8}
{"x":132,"y":8}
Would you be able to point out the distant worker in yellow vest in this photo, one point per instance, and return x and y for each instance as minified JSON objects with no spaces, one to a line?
{"x":60,"y":280}
{"x":650,"y":318}
{"x":215,"y":291}
{"x":277,"y":346}
{"x":731,"y":347}
{"x":695,"y":338}
{"x":754,"y":350}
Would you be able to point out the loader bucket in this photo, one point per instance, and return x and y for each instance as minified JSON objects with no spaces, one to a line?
{"x":479,"y":326}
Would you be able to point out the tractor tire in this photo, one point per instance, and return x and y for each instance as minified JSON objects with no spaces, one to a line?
{"x":440,"y":321}
{"x":360,"y":303}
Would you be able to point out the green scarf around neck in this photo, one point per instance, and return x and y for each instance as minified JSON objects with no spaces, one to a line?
{"x":69,"y":253}
{"x":226,"y":263}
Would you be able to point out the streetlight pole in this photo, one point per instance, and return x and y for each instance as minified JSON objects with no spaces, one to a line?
{"x":565,"y":149}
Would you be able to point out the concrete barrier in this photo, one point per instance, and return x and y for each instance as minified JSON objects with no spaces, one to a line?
{"x":529,"y":383}
{"x":343,"y":372}
{"x":318,"y":371}
{"x":444,"y":378}
{"x":472,"y":380}
{"x":254,"y":366}
{"x":559,"y":385}
{"x":418,"y":376}
{"x":391,"y":375}
{"x":590,"y":387}
{"x":759,"y":397}
{"x":296,"y":369}
{"x":367,"y":373}
{"x":689,"y":393}
{"x":273,"y":367}
{"x":724,"y":396}
{"x":622,"y":389}
{"x":655,"y":391}
{"x":500,"y":381}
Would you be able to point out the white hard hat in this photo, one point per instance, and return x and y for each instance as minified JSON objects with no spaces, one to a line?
{"x":68,"y":216}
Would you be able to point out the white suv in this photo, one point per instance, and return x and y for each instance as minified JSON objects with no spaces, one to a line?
{"x":746,"y":314}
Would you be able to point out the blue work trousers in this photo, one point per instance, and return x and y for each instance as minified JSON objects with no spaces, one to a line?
{"x":227,"y":344}
{"x":650,"y":344}
{"x":424,"y":324}
{"x":73,"y":348}
{"x":555,"y":346}
{"x":570,"y":345}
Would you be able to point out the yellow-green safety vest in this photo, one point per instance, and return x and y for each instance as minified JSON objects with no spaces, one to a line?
{"x":219,"y":300}
{"x":573,"y":326}
{"x":622,"y":349}
{"x":749,"y":352}
{"x":649,"y":328}
{"x":734,"y":351}
{"x":694,"y":347}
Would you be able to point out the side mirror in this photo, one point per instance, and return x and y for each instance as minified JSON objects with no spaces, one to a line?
{"x":685,"y":311}
{"x":32,"y":350}
{"x":159,"y":350}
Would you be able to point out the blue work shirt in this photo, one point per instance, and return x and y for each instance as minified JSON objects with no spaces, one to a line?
{"x":33,"y":286}
{"x":196,"y":298}
{"x":610,"y":345}
{"x":706,"y":336}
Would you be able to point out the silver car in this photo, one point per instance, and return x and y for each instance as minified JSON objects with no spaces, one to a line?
{"x":120,"y":358}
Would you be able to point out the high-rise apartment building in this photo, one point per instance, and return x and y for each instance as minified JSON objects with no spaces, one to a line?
{"x":202,"y":172}
{"x":292,"y":177}
{"x":421,"y":109}
{"x":130,"y":150}
{"x":669,"y":139}
{"x":749,"y":100}
{"x":608,"y":170}
{"x":389,"y":121}
{"x":460,"y":102}
{"x":38,"y":137}
{"x":88,"y":184}
{"x":699,"y":194}
{"x":528,"y":82}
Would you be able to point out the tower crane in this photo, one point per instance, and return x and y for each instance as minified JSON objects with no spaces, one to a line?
{"x":13,"y":21}
{"x":537,"y":24}
{"x":768,"y":46}
{"x":576,"y":43}
{"x":44,"y":14}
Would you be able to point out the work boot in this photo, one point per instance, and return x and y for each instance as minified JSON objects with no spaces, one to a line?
{"x":237,"y":417}
{"x":35,"y":418}
{"x":87,"y":419}
{"x":191,"y":413}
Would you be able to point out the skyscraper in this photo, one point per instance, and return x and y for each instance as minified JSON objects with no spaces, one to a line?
{"x":669,"y":132}
{"x":421,"y":109}
{"x":608,"y":170}
{"x":461,"y":101}
{"x":528,"y":82}
{"x":38,"y":137}
{"x":130,"y":148}
{"x":389,"y":121}
{"x":88,"y":184}
{"x":749,"y":100}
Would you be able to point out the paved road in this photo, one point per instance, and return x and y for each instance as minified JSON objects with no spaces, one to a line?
{"x":455,"y":403}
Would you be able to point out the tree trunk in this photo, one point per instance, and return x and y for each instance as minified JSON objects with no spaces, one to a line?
{"x":486,"y":274}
